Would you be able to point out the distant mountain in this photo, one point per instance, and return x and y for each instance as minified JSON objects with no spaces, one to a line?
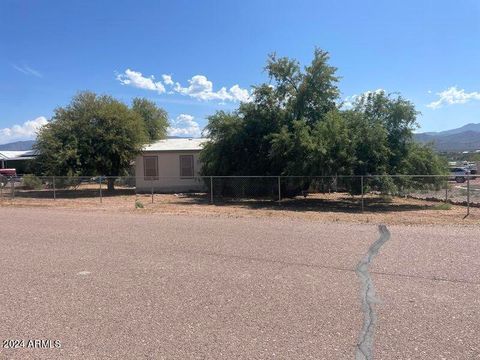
{"x":464,"y":128}
{"x":465,"y":138}
{"x":27,"y":145}
{"x":18,"y":145}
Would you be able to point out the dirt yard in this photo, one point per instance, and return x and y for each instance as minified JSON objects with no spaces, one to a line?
{"x":334,"y":207}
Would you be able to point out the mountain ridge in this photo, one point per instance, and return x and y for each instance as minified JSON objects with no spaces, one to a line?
{"x":464,"y":138}
{"x":28,"y":144}
{"x":18,"y":145}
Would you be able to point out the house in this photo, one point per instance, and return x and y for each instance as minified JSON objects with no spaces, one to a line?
{"x":16,"y":159}
{"x":170,"y":165}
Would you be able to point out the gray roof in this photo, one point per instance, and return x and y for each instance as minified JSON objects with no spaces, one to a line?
{"x":183,"y":144}
{"x":17,"y":155}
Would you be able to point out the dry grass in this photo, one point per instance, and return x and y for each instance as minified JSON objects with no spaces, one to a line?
{"x":334,"y":207}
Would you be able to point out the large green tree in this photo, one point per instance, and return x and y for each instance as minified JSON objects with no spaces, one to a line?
{"x":96,"y":135}
{"x":396,"y":117}
{"x":294,"y":96}
{"x":296,"y":125}
{"x":155,"y":119}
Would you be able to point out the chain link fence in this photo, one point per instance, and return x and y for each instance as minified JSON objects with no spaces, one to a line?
{"x":338,"y":193}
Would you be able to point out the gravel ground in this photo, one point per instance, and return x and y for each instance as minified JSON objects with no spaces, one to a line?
{"x":156,"y":286}
{"x":325,"y":208}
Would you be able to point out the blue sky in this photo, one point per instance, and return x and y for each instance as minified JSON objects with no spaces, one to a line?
{"x":429,"y":51}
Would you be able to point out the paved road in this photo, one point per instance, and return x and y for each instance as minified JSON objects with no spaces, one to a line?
{"x":151,"y":286}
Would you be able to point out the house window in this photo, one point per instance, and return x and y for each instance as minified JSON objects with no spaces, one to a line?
{"x":186,"y":166}
{"x":150,"y":167}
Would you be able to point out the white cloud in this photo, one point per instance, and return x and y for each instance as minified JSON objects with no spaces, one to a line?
{"x":199,"y":87}
{"x":27,"y":70}
{"x":26,"y":131}
{"x":240,"y":94}
{"x":453,"y":95}
{"x":136,"y":79}
{"x":167,"y":79}
{"x":349,"y":101}
{"x":202,"y":89}
{"x":184,"y":125}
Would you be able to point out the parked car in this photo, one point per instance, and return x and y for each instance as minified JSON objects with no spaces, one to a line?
{"x":459,"y":174}
{"x":8,"y":173}
{"x":473,"y":172}
{"x":7,"y":176}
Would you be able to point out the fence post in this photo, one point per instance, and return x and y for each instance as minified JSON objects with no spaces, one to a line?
{"x":468,"y":195}
{"x":361,"y":185}
{"x":13,"y":188}
{"x":54,"y":192}
{"x":136,"y":190}
{"x":151,"y":184}
{"x":279,"y":190}
{"x":100,"y":188}
{"x":446,"y":191}
{"x":211,"y":189}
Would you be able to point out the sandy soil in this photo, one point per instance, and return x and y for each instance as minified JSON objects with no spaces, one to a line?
{"x":334,"y":207}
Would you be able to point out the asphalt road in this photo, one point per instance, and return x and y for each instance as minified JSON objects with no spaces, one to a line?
{"x":153,"y":286}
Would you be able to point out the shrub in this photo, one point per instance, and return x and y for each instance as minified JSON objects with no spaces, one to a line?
{"x":67,"y":182}
{"x":443,"y":206}
{"x":31,"y":182}
{"x":138,"y":204}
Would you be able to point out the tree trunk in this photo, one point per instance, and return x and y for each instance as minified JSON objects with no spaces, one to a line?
{"x":110,"y":184}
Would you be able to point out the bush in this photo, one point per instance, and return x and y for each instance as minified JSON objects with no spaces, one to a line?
{"x":444,"y":206}
{"x":70,"y":182}
{"x":31,"y":182}
{"x":138,"y":204}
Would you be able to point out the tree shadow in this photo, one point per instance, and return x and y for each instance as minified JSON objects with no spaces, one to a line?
{"x":341,"y":203}
{"x":344,"y":204}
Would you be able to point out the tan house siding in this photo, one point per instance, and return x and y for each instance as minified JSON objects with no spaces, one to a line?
{"x":169,"y":179}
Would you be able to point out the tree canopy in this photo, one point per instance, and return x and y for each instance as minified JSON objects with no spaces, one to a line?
{"x":155,"y":119}
{"x":297,"y":125}
{"x":97,"y":135}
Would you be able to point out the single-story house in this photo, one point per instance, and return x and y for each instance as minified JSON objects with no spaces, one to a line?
{"x":170,"y":165}
{"x":16,"y":159}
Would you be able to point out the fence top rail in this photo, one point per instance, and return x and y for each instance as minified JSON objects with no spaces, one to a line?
{"x":326,"y":176}
{"x":243,"y":176}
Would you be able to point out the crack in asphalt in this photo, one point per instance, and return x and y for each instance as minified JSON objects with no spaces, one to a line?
{"x":364,"y":349}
